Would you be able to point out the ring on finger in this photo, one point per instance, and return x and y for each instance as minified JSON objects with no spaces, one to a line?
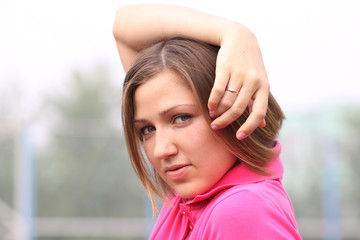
{"x":229,"y":89}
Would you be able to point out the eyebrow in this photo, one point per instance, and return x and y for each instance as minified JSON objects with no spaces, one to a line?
{"x":163,"y":113}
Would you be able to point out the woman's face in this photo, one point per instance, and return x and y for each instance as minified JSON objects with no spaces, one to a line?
{"x":177,"y":139}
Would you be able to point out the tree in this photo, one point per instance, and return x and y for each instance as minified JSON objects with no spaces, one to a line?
{"x":85,"y":170}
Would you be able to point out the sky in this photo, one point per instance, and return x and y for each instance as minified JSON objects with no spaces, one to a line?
{"x":311,"y":49}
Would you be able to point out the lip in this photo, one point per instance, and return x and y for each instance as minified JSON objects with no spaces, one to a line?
{"x":177,"y":172}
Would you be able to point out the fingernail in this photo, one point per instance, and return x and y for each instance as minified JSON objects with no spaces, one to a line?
{"x":211,"y":108}
{"x":240,"y":136}
{"x":212,"y":115}
{"x":214,"y":127}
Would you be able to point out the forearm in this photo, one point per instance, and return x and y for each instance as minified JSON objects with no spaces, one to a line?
{"x":138,"y":26}
{"x":239,"y":62}
{"x":143,"y":24}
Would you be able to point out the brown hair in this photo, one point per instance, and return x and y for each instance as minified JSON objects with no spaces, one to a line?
{"x":195,"y":63}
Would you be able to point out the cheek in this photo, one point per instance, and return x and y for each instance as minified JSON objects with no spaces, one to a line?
{"x":149,"y":151}
{"x":214,"y":149}
{"x":204,"y":138}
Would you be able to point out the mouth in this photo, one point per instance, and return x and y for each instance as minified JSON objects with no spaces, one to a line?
{"x":177,"y":172}
{"x":175,"y":167}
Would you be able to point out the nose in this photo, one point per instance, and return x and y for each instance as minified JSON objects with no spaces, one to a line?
{"x":165,"y":146}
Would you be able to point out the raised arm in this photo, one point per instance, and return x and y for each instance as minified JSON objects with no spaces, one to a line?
{"x":239,"y":62}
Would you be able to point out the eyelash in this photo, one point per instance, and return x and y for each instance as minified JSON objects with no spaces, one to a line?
{"x":142,"y":130}
{"x":179,"y":116}
{"x":188,"y":117}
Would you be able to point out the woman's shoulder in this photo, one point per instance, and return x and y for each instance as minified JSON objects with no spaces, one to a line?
{"x":259,"y":197}
{"x":252,"y":211}
{"x":249,"y":212}
{"x":249,"y":198}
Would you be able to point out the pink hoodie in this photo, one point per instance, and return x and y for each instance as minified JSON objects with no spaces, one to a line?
{"x":242,"y":205}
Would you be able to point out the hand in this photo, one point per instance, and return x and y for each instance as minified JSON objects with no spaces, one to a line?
{"x":240,"y":67}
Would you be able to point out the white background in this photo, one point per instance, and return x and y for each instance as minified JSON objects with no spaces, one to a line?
{"x":311,"y":48}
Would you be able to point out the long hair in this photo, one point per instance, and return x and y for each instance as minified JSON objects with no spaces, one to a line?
{"x":195,"y":62}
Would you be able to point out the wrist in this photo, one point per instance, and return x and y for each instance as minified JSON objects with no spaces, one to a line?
{"x":234,"y":31}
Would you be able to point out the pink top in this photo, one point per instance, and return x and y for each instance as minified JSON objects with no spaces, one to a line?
{"x":242,"y":205}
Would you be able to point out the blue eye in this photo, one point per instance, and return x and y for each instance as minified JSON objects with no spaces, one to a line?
{"x":147,"y":130}
{"x":182,"y":118}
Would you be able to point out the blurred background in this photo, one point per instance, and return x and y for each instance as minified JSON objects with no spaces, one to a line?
{"x":64,"y":169}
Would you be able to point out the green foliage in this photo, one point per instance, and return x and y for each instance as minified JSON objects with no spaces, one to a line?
{"x":90,"y":97}
{"x":85,"y":170}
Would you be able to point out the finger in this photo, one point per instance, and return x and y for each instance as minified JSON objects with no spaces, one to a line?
{"x":251,"y":103}
{"x":229,"y":96}
{"x":256,"y":117}
{"x":226,"y":103}
{"x":236,"y":110}
{"x":262,"y":124}
{"x":218,"y":90}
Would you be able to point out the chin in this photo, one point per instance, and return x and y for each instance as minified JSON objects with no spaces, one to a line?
{"x":189,"y":194}
{"x":186,"y":195}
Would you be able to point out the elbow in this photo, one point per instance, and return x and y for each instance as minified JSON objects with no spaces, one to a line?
{"x":119,"y":22}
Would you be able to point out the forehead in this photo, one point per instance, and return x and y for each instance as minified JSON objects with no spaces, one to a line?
{"x":161,"y":91}
{"x":168,"y":79}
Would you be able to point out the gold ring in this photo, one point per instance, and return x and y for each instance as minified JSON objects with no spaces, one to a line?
{"x":232,"y":90}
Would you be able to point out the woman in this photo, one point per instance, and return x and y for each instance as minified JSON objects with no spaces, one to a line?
{"x":239,"y":66}
{"x":214,"y":186}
